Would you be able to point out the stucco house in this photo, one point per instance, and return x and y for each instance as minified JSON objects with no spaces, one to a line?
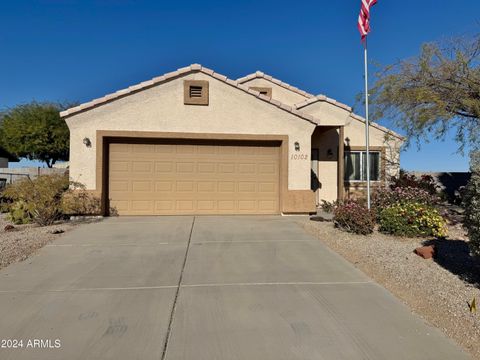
{"x":193,"y":141}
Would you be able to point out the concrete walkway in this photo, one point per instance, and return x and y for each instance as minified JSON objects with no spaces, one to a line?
{"x":204,"y":288}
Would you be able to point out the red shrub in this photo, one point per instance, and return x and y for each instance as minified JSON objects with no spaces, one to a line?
{"x":425,"y":182}
{"x":354,"y":217}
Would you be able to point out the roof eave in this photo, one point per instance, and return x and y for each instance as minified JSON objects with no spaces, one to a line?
{"x":262,"y":75}
{"x":176,"y":74}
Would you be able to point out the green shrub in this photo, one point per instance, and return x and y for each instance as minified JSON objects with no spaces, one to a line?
{"x":472,"y":205}
{"x":38,"y":199}
{"x":19,"y":213}
{"x":412,"y":219}
{"x":354,"y":217}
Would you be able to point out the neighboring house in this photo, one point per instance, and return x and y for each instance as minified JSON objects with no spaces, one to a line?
{"x":6,"y":157}
{"x":195,"y":142}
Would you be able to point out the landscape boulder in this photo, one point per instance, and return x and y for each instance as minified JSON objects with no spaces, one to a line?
{"x":426,"y":252}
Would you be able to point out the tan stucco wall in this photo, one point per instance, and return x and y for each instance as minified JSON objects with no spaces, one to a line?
{"x":279,"y":93}
{"x":161,"y":109}
{"x":355,"y":134}
{"x":328,"y":114}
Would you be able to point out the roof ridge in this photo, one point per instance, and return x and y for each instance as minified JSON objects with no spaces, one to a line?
{"x":321,"y":97}
{"x":174,"y":74}
{"x":260,"y":74}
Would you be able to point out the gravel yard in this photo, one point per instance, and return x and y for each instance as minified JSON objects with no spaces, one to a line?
{"x":438,"y":290}
{"x":21,"y":242}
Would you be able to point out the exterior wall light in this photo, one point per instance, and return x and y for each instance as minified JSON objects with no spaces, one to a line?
{"x":87,"y":142}
{"x":329,"y":153}
{"x":297,"y":146}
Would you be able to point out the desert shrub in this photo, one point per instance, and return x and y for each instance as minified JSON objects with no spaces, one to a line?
{"x":39,"y":199}
{"x":472,"y":205}
{"x":19,"y":213}
{"x":4,"y":203}
{"x":328,"y":206}
{"x":78,"y":201}
{"x":412,"y":219}
{"x":354,"y":217}
{"x":386,"y":197}
{"x":48,"y":198}
{"x":406,"y":180}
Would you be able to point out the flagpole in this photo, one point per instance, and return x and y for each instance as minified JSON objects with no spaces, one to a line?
{"x":367,"y":125}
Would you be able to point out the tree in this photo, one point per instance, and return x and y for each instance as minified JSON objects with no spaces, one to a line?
{"x":472,"y":205}
{"x":35,"y":131}
{"x":434,"y":92}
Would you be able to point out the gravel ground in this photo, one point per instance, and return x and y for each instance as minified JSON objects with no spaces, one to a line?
{"x":24,"y":240}
{"x":438,"y":290}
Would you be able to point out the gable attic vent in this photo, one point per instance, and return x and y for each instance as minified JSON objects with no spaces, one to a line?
{"x":195,"y":92}
{"x":267,"y":91}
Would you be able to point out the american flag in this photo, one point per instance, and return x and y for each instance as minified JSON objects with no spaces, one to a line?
{"x":364,"y":17}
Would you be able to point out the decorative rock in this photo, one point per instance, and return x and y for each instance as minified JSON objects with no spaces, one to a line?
{"x":426,"y":252}
{"x":9,"y":227}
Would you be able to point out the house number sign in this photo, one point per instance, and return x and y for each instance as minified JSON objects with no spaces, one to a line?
{"x":299,"y":157}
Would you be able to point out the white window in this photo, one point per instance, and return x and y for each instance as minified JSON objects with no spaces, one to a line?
{"x":356,"y":166}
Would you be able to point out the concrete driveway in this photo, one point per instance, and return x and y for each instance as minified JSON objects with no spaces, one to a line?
{"x":203,"y":288}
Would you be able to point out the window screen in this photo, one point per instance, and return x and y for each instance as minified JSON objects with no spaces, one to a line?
{"x":356,"y":166}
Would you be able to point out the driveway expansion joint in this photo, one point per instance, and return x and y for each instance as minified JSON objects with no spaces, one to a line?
{"x":130,"y":288}
{"x":299,"y":283}
{"x":177,"y":293}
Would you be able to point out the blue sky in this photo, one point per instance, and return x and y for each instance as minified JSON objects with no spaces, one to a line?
{"x":70,"y":50}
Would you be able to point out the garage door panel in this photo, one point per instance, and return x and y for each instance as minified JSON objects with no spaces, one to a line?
{"x":181,"y":178}
{"x":164,"y":205}
{"x":122,"y":148}
{"x":164,"y":186}
{"x":247,"y":187}
{"x":142,"y":205}
{"x":267,"y":205}
{"x":226,"y":168}
{"x":119,"y":166}
{"x":142,"y":166}
{"x":207,"y":150}
{"x":143,"y":186}
{"x":206,"y":186}
{"x":185,"y":186}
{"x":143,"y":149}
{"x":164,"y":166}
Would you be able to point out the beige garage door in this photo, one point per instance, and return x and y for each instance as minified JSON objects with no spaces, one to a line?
{"x":194,"y":178}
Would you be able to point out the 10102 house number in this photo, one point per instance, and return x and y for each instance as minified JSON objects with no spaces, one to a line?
{"x":299,"y":157}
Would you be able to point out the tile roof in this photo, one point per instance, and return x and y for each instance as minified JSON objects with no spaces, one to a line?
{"x":180,"y":72}
{"x":262,"y":75}
{"x":313,"y":99}
{"x":318,"y":98}
{"x":295,"y":109}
